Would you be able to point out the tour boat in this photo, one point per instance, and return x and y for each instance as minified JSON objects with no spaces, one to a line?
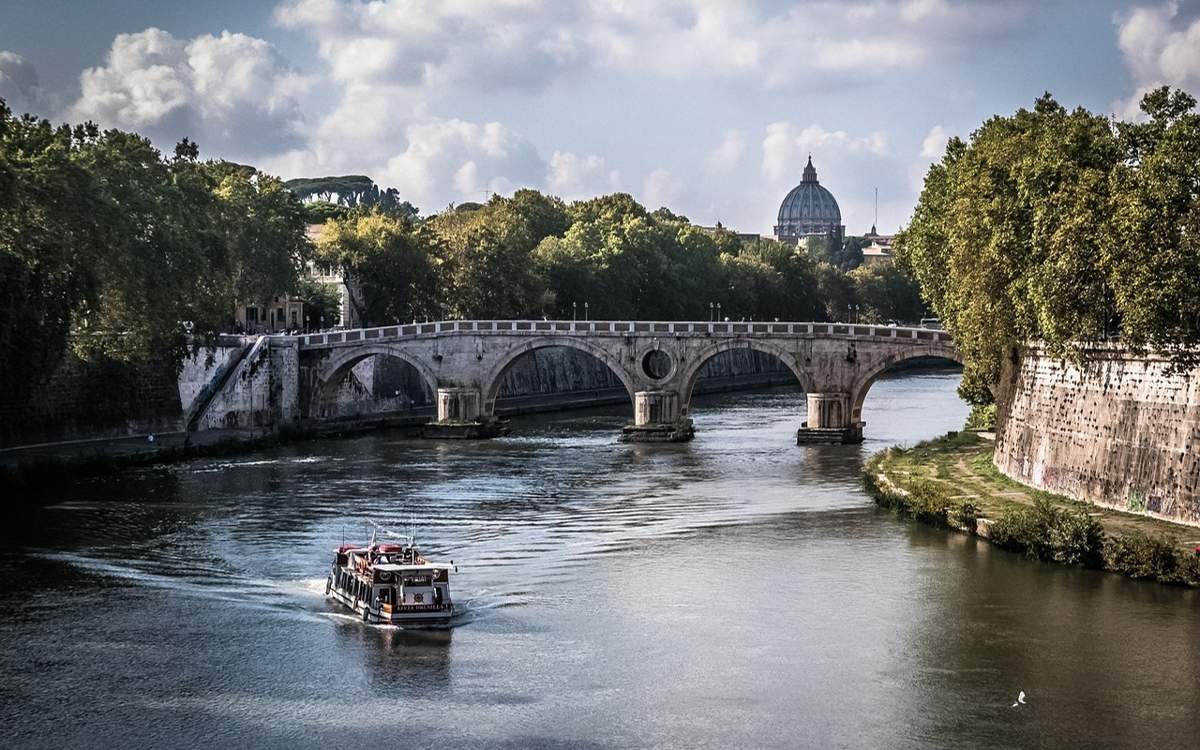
{"x":391,"y":584}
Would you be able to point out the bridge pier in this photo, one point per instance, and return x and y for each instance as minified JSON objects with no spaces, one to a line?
{"x":460,"y":416}
{"x":829,"y":421}
{"x":658,"y":418}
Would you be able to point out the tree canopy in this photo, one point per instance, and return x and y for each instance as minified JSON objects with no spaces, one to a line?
{"x":349,"y":191}
{"x":111,"y":248}
{"x":1060,"y":227}
{"x":531,"y":255}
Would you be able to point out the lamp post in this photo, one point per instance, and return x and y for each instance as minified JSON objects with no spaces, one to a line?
{"x":586,"y":311}
{"x":712,"y":312}
{"x":718,"y":312}
{"x":572,"y":312}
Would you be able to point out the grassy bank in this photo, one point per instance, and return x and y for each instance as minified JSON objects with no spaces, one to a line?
{"x":951,"y":482}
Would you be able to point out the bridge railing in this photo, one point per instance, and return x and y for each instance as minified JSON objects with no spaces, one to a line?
{"x":635,"y":327}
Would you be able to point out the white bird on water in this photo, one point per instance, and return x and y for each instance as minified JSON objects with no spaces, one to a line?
{"x":1020,"y":699}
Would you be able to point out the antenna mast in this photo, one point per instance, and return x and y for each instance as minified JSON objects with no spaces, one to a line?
{"x":876,"y":208}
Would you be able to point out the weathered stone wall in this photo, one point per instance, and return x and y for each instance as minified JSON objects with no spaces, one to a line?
{"x":88,"y":399}
{"x":1121,"y":431}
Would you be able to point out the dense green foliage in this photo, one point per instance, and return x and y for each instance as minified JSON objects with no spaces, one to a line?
{"x":532,"y":255}
{"x":110,"y":248}
{"x":348,"y":191}
{"x":1057,"y":226}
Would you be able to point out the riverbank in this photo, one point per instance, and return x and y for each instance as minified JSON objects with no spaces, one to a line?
{"x":950,"y":482}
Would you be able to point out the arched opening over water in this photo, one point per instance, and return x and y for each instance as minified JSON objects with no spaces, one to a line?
{"x":741,"y":364}
{"x":380,"y":380}
{"x":897,"y":365}
{"x":556,"y":369}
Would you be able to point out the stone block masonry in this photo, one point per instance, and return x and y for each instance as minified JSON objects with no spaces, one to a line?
{"x":1121,"y":430}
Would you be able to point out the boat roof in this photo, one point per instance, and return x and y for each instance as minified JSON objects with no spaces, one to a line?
{"x":395,"y":568}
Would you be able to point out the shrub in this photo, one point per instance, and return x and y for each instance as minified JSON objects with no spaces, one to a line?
{"x":982,"y":417}
{"x":928,"y":502}
{"x":1139,"y":555}
{"x":1077,"y":538}
{"x":1044,"y":532}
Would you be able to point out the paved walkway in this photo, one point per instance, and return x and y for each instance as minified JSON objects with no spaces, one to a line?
{"x":119,"y":448}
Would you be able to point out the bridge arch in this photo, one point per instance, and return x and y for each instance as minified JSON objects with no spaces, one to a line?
{"x":700,"y":358}
{"x":342,"y":361}
{"x":864,"y":381}
{"x":491,"y":383}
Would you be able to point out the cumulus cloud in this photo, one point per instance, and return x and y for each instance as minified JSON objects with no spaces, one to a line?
{"x":934,"y":145}
{"x":446,"y":160}
{"x":1160,"y":48}
{"x":530,"y":43}
{"x":571,"y":176}
{"x":723,"y":158}
{"x":661,"y":189}
{"x":18,"y":83}
{"x":786,"y":146}
{"x":233,"y":92}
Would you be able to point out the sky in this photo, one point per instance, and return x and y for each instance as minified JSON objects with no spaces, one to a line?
{"x":709,"y":107}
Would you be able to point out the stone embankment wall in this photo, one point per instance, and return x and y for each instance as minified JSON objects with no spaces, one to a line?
{"x":93,"y":399}
{"x":1122,"y":431}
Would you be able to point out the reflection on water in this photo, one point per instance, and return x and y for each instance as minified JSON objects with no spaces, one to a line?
{"x":733,"y":591}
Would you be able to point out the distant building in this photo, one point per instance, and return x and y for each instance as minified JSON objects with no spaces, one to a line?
{"x":809,"y":210}
{"x":282,"y":313}
{"x":743,"y":237}
{"x":880,"y":249}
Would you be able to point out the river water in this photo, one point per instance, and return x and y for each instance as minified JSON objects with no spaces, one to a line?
{"x":736,"y":591}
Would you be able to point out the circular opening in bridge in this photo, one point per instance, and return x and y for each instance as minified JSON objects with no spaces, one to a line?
{"x":656,"y":364}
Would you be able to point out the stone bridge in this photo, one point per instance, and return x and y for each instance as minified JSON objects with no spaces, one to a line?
{"x":464,"y":362}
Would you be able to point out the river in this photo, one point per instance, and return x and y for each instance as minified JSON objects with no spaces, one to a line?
{"x":735,"y":591}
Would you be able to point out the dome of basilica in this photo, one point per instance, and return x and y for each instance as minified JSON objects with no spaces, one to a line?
{"x":808,"y":209}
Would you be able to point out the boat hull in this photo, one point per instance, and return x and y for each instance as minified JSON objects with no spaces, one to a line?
{"x":424,"y":616}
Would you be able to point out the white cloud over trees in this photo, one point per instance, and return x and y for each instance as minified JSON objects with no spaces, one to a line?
{"x":18,"y":82}
{"x":1160,"y":49}
{"x":232,"y":93}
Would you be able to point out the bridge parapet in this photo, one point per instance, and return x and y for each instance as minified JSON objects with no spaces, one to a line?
{"x":621,"y":328}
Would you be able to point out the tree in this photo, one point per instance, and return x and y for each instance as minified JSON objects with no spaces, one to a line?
{"x":263,"y":228}
{"x":48,"y":246}
{"x":885,"y":293}
{"x":488,"y":271}
{"x":156,"y":224}
{"x":1010,"y":234}
{"x":1155,"y":266}
{"x":321,"y":302}
{"x":393,"y":265}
